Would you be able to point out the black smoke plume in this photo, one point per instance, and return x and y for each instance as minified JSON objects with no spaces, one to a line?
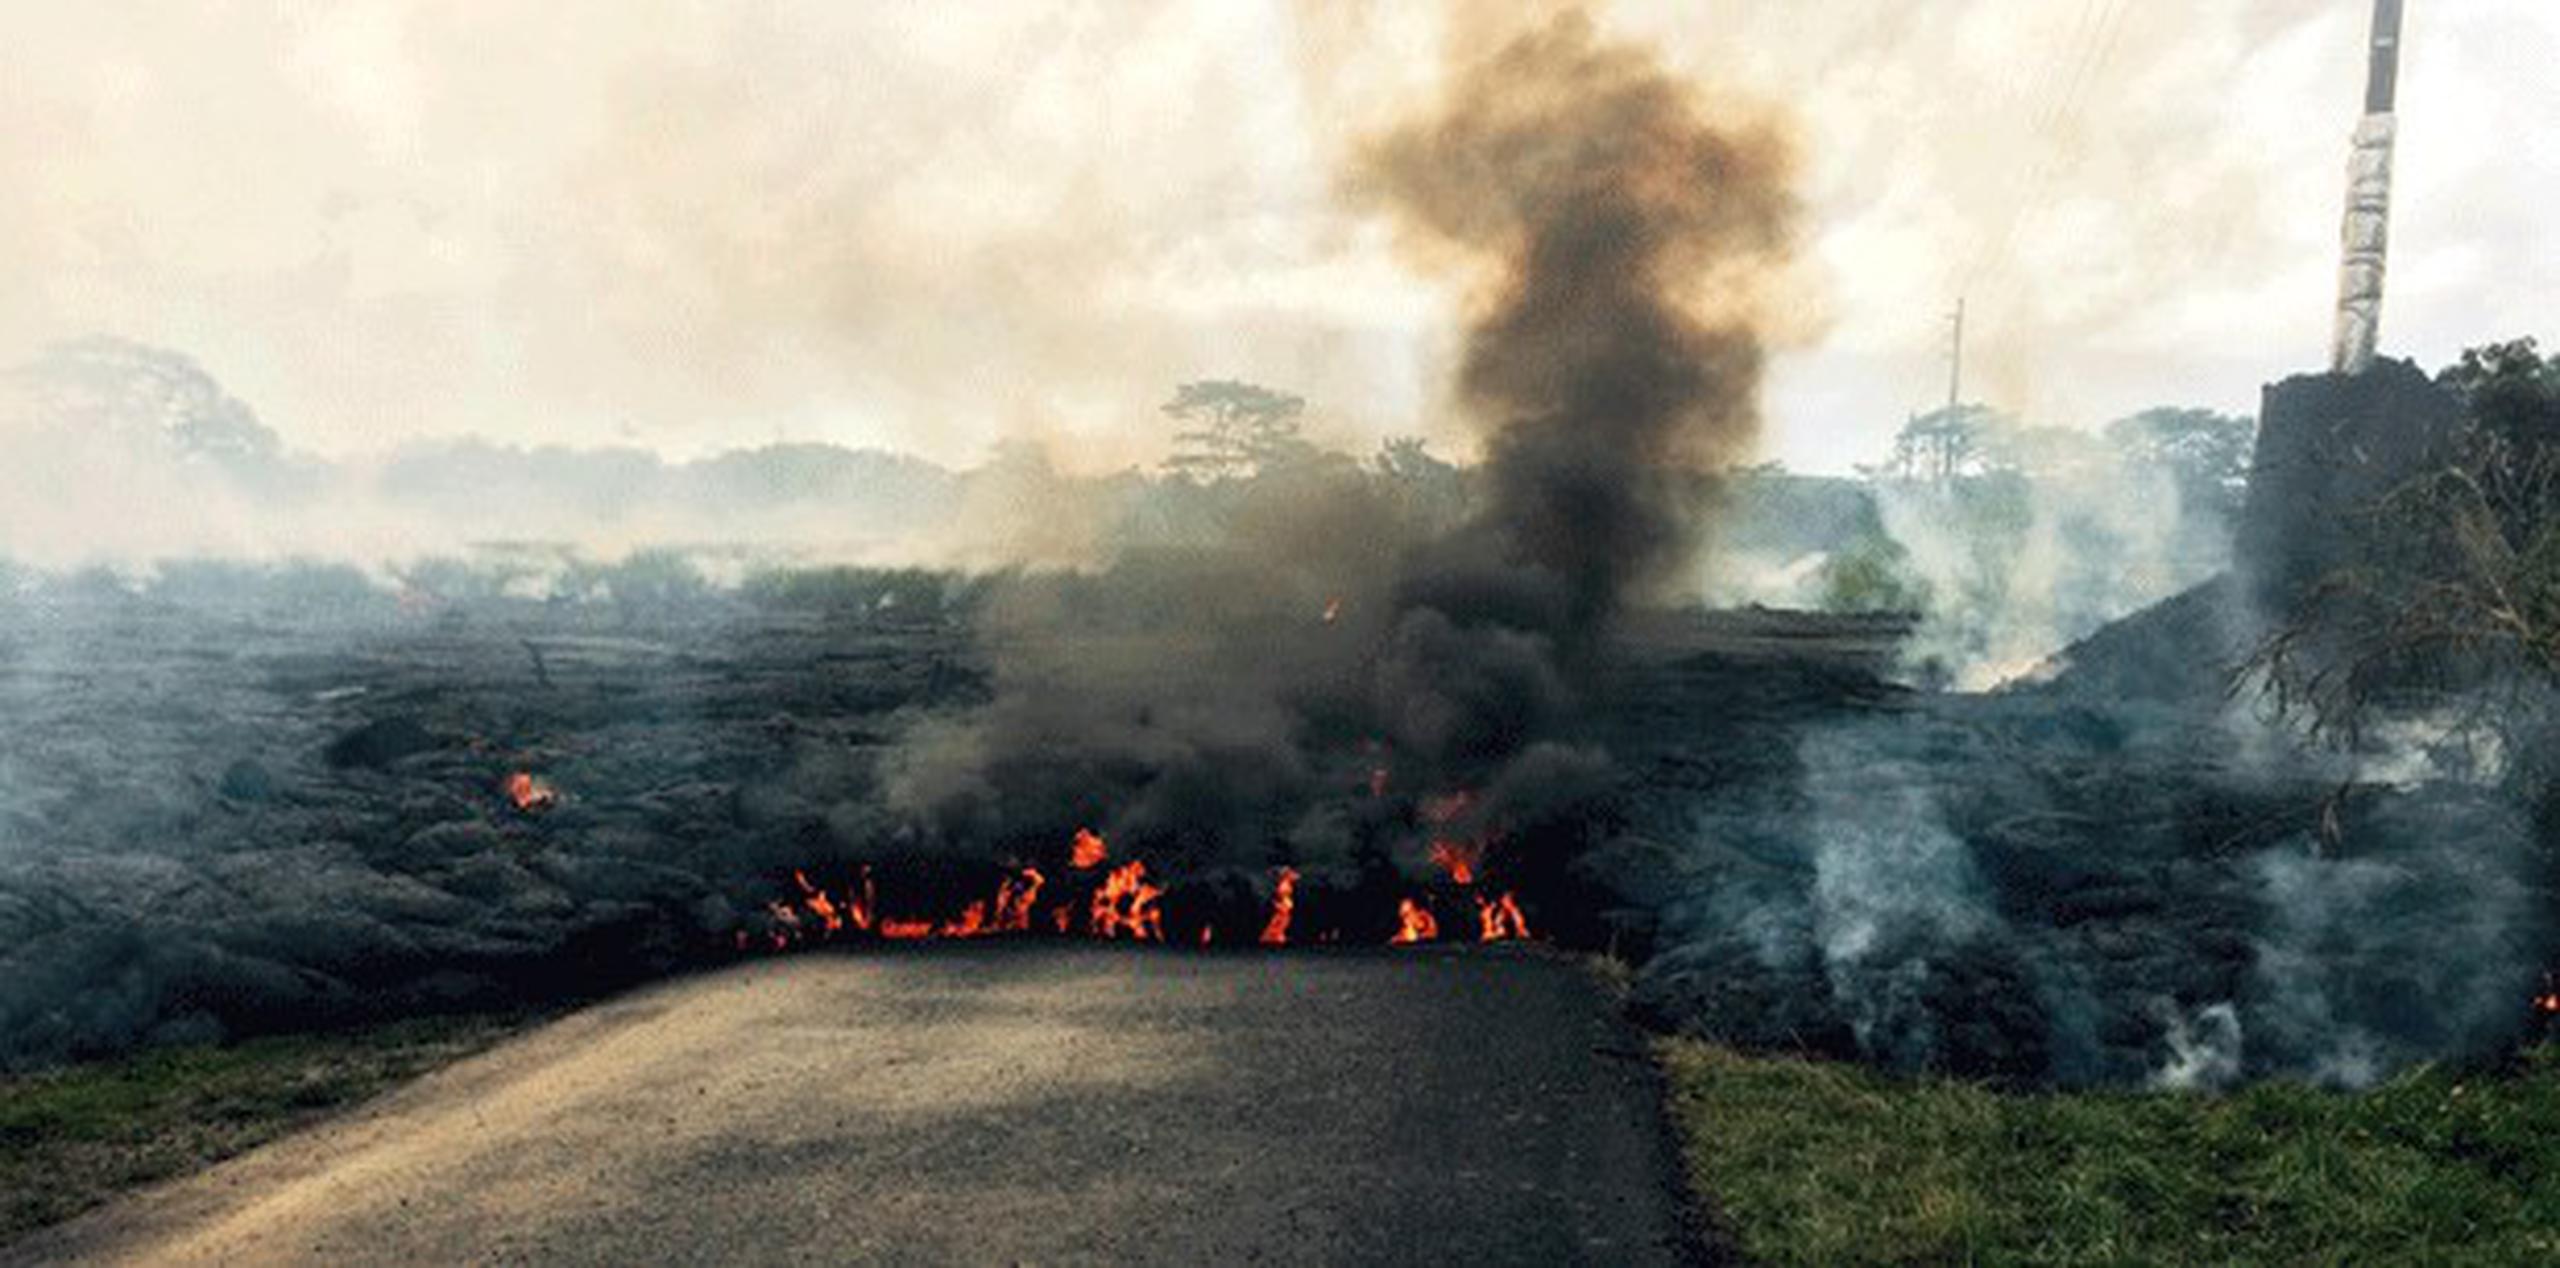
{"x":1613,"y":233}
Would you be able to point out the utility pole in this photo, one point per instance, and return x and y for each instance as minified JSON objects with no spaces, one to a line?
{"x":1955,"y":356}
{"x":2367,"y":232}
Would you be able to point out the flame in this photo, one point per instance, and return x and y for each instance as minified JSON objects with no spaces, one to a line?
{"x":972,"y":922}
{"x":858,"y":910}
{"x":1284,"y":902}
{"x":2547,"y":1004}
{"x":1413,"y":924}
{"x":1459,"y":859}
{"x":531,"y":793}
{"x":1015,"y":899}
{"x":1090,"y":849}
{"x":1127,"y":903}
{"x":816,"y":901}
{"x":1333,"y":609}
{"x":1500,"y":920}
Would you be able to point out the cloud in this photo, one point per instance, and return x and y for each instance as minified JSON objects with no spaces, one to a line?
{"x":698,"y":226}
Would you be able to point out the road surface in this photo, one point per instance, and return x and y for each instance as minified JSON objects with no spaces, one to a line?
{"x":986,"y":1104}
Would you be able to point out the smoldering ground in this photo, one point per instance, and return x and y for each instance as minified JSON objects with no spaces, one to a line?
{"x":223,"y":819}
{"x":1198,"y":704}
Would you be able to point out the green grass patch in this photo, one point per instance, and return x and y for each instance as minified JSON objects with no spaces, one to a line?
{"x":73,"y":1137}
{"x":1807,"y":1162}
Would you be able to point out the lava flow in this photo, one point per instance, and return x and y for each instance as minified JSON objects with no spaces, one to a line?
{"x":530,"y":793}
{"x":1094,"y":897}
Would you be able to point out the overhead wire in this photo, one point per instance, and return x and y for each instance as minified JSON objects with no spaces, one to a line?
{"x":1992,"y":274}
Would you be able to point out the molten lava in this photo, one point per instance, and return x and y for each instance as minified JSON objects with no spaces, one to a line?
{"x":1499,"y":919}
{"x":1090,"y":849}
{"x":1126,"y":906}
{"x":1015,"y":899}
{"x":530,"y":793}
{"x":1128,"y":902}
{"x":1460,"y":860}
{"x":1284,"y":900}
{"x":1414,"y":924}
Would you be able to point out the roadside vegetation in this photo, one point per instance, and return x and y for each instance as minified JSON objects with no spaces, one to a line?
{"x":75,"y":1136}
{"x":1806,"y":1162}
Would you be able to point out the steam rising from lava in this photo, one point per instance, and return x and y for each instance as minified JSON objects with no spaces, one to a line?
{"x":1299,"y":697}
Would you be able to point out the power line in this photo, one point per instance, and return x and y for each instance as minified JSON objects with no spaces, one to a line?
{"x":1993,"y":274}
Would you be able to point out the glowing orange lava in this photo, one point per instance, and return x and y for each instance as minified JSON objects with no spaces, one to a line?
{"x":1015,"y":899}
{"x":1284,"y":902}
{"x":1499,"y":919}
{"x":1127,"y":902}
{"x":1460,"y":860}
{"x":1125,"y":906}
{"x":1090,"y":850}
{"x":1413,"y":924}
{"x":531,"y":793}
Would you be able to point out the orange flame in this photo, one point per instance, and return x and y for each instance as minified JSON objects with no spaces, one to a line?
{"x":972,"y":922}
{"x":1413,"y":924}
{"x":817,"y":902}
{"x":1500,"y":919}
{"x":1127,"y":903}
{"x":531,"y":793}
{"x":1015,"y":898}
{"x":1333,"y":609}
{"x":1090,"y":849}
{"x":1459,"y":859}
{"x":859,"y":908}
{"x":1284,"y":902}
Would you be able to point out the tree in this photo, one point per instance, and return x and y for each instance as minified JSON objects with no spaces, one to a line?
{"x":1234,"y":431}
{"x":2449,"y":596}
{"x":2205,"y":453}
{"x":1432,"y":489}
{"x":119,"y":388}
{"x":1944,"y":444}
{"x":2509,"y":389}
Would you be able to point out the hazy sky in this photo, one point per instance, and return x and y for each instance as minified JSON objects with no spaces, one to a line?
{"x":931,"y":226}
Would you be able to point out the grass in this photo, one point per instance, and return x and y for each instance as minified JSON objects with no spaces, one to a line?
{"x":1813,"y":1163}
{"x":74,"y":1137}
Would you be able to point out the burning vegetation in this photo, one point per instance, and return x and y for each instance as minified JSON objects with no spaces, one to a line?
{"x":1094,"y":898}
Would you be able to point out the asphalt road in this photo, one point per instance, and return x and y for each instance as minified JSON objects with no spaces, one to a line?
{"x":986,"y":1104}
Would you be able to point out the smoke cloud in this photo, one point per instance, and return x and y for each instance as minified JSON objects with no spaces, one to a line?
{"x":1615,"y":233}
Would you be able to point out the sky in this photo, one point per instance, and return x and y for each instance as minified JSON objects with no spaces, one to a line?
{"x":692,"y":226}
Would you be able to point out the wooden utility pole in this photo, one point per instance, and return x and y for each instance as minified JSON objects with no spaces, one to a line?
{"x":1955,"y":356}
